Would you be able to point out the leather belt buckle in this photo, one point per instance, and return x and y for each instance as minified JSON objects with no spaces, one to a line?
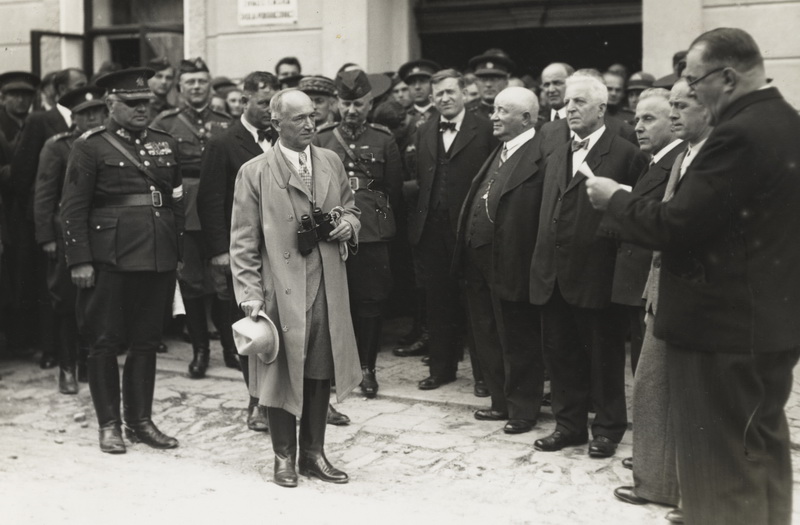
{"x":356,"y":183}
{"x":156,"y":198}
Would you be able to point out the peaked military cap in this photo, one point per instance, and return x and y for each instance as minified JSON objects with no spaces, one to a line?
{"x":159,"y":64}
{"x":352,"y":85}
{"x":494,"y":62}
{"x":18,"y":81}
{"x":291,"y":81}
{"x":128,"y":84}
{"x":317,"y":84}
{"x":83,"y":98}
{"x":418,"y":68}
{"x":193,"y":65}
{"x":640,"y":81}
{"x":222,"y":83}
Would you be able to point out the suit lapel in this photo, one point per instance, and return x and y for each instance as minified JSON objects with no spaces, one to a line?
{"x":673,"y":176}
{"x":559,"y":159}
{"x":594,"y":158}
{"x":318,"y":166}
{"x":464,"y":135}
{"x":523,"y":165}
{"x":286,"y":174}
{"x":246,"y":140}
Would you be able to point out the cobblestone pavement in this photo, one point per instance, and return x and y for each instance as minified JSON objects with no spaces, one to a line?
{"x":411,"y":455}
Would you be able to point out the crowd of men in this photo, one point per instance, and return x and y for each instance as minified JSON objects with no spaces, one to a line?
{"x":534,"y":225}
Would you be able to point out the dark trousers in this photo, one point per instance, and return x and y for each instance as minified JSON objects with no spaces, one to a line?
{"x":283,"y":429}
{"x":585,"y":355}
{"x":508,"y":342}
{"x":732,"y":438}
{"x":125,"y":309}
{"x":446,"y":315}
{"x":635,"y":316}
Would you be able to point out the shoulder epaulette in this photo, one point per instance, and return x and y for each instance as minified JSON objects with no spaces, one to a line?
{"x":60,"y":136}
{"x":167,"y":113}
{"x":381,"y":127}
{"x":93,"y":131}
{"x":221,"y":113}
{"x":327,"y":127}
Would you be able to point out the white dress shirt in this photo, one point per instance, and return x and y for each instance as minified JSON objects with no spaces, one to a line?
{"x":691,"y":153}
{"x":294,"y":157}
{"x":449,"y":136}
{"x":578,"y":157}
{"x":264,"y":144}
{"x":514,"y":144}
{"x":562,"y":113}
{"x":666,"y":149}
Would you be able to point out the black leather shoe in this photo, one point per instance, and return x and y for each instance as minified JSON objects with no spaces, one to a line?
{"x":199,"y":365}
{"x":257,"y":418}
{"x":111,"y":440}
{"x":285,"y":475}
{"x":480,"y":389}
{"x":675,"y":516}
{"x":490,"y":415}
{"x":67,"y":383}
{"x":319,"y":467}
{"x":47,"y":361}
{"x":558,"y":440}
{"x":369,"y":385}
{"x":336,"y":418}
{"x":434,"y":382}
{"x":231,"y":359}
{"x":602,"y":447}
{"x":519,"y":426}
{"x":426,"y":360}
{"x":628,"y":463}
{"x":627,"y":495}
{"x":146,"y":432}
{"x":547,"y":400}
{"x":415,"y":349}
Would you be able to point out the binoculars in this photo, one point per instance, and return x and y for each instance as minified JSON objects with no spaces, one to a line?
{"x":317,"y":227}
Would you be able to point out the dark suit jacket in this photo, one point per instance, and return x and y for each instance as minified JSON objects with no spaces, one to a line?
{"x":633,"y":262}
{"x":516,"y":221}
{"x":568,"y":250}
{"x":729,"y":275}
{"x":555,"y":133}
{"x":222,"y":158}
{"x":38,"y":128}
{"x":472,"y":145}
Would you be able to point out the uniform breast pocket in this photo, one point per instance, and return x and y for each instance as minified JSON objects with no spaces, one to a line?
{"x":115,"y":165}
{"x":103,"y":239}
{"x":187,"y":148}
{"x":164,"y":161}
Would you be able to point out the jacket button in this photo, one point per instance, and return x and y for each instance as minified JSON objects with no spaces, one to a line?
{"x":142,"y":152}
{"x":147,"y":163}
{"x":555,"y":219}
{"x":158,"y":214}
{"x":350,"y":173}
{"x":152,"y":188}
{"x":350,"y":165}
{"x":121,"y":163}
{"x":288,"y":291}
{"x":285,"y":328}
{"x":558,"y":245}
{"x":290,"y":218}
{"x":286,"y":255}
{"x":352,"y":146}
{"x":657,"y":264}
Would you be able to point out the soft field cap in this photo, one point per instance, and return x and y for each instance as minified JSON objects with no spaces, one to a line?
{"x":259,"y":337}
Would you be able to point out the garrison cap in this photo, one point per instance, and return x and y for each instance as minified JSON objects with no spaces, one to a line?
{"x":159,"y":64}
{"x":318,"y":85}
{"x":83,"y":98}
{"x":128,"y":84}
{"x":493,"y":63}
{"x":193,"y":65}
{"x":418,"y":68}
{"x":640,"y":81}
{"x":352,"y":85}
{"x":18,"y":81}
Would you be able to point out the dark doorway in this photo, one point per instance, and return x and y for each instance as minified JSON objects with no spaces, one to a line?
{"x":532,"y":49}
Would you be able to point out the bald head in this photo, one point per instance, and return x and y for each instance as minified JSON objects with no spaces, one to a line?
{"x":515,"y":111}
{"x":554,"y":79}
{"x":293,"y":118}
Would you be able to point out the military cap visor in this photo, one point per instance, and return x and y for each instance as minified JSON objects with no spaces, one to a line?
{"x":418,"y":68}
{"x":18,"y":81}
{"x":83,"y":98}
{"x":159,"y":64}
{"x":291,"y":81}
{"x":317,"y":85}
{"x":491,"y":65}
{"x":128,"y":84}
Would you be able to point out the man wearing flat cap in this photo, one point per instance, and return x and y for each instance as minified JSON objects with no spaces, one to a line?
{"x":122,"y":217}
{"x":492,"y":69}
{"x":322,"y":92}
{"x":299,"y":281}
{"x":17,"y":89}
{"x":375,"y":174}
{"x":88,"y":112}
{"x":193,"y":125}
{"x":161,"y":85}
{"x":417,"y":75}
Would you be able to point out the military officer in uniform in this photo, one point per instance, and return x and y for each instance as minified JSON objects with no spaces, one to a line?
{"x":193,"y":125}
{"x":161,"y":85}
{"x":372,"y":161}
{"x":492,"y":69}
{"x":417,"y":75}
{"x":122,"y":217}
{"x":88,"y":111}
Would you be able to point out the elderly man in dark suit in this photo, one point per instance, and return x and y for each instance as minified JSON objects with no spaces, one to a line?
{"x":653,"y":130}
{"x":496,"y":236}
{"x":449,"y":152}
{"x":729,"y":290}
{"x":571,"y":277}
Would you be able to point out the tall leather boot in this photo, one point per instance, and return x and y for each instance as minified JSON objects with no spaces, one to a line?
{"x":313,"y":462}
{"x":368,"y":342}
{"x":284,"y":444}
{"x":198,"y":333}
{"x":68,"y":349}
{"x":104,"y":386}
{"x":138,"y":384}
{"x":221,"y":315}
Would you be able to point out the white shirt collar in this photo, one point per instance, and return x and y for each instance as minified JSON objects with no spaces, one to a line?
{"x":593,"y":138}
{"x":693,"y":149}
{"x":294,"y":156}
{"x":422,"y":109}
{"x":66,"y":113}
{"x":265,"y":145}
{"x":457,"y":120}
{"x":666,"y":149}
{"x":562,"y":113}
{"x":514,"y":144}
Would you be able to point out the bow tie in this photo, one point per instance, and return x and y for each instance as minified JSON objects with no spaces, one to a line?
{"x":267,"y":134}
{"x":580,"y":144}
{"x":446,"y":126}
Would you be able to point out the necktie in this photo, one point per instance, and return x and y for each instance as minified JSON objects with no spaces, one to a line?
{"x":446,"y":126}
{"x":266,"y":134}
{"x":556,"y":116}
{"x":504,"y":154}
{"x":579,"y":144}
{"x":305,"y":173}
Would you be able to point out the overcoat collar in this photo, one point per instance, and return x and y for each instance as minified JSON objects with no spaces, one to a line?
{"x":284,"y":173}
